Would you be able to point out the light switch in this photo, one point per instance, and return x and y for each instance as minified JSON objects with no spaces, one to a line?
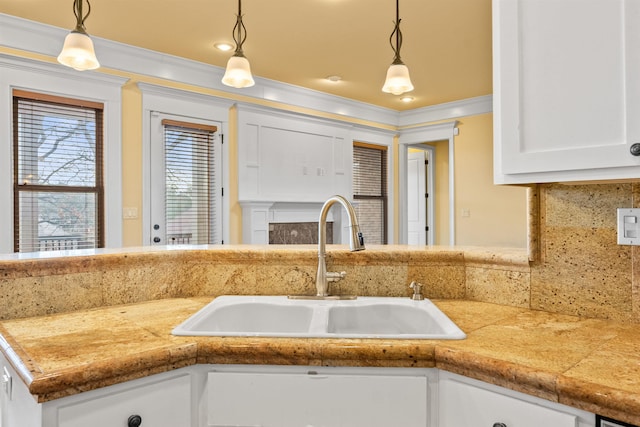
{"x":129,"y":213}
{"x":628,"y":227}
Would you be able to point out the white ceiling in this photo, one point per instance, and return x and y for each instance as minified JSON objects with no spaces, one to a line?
{"x":447,"y":43}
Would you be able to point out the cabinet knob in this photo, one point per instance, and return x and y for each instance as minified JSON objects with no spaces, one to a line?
{"x":134,"y":421}
{"x":499,"y":425}
{"x":635,"y":149}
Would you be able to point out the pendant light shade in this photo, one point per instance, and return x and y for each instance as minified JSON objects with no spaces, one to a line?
{"x":398,"y":80}
{"x":238,"y":73}
{"x":77,"y":51}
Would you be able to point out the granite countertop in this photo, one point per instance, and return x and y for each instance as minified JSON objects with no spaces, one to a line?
{"x":591,"y":364}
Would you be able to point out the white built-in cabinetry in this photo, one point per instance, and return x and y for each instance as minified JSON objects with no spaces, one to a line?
{"x":161,"y":400}
{"x":464,"y":402}
{"x":566,"y":90}
{"x":288,"y":164}
{"x":316,"y":396}
{"x":282,"y":396}
{"x":285,"y":157}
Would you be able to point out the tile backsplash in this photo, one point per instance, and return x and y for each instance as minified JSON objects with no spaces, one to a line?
{"x":581,"y":269}
{"x":574,"y":266}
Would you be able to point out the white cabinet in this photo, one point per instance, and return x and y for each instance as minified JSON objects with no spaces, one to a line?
{"x":288,"y":396}
{"x":566,"y":90}
{"x":463,"y":402}
{"x":285,"y":157}
{"x":310,"y":396}
{"x":161,"y":400}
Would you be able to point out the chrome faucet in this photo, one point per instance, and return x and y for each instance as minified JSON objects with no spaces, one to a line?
{"x":356,"y":243}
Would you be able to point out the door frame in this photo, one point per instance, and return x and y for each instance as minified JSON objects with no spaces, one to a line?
{"x":411,"y":138}
{"x":175,"y":102}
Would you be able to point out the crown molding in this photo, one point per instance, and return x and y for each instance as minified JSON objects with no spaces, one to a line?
{"x":446,"y":111}
{"x":30,"y":36}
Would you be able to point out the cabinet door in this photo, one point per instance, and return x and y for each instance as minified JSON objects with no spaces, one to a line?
{"x":465,"y":405}
{"x":566,"y":91}
{"x":159,"y":403}
{"x":304,"y":400}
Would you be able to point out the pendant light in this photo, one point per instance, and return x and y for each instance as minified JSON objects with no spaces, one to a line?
{"x":398,"y":80}
{"x":238,"y":73}
{"x":77,"y":51}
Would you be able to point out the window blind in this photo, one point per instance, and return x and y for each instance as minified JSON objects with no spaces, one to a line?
{"x":190,"y":183}
{"x":370,"y":191}
{"x":58,"y":173}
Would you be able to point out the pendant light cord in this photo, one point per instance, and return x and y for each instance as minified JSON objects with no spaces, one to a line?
{"x":398,"y":36}
{"x":239,"y":28}
{"x":77,"y":11}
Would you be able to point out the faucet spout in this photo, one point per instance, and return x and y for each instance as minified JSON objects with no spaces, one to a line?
{"x":356,"y":243}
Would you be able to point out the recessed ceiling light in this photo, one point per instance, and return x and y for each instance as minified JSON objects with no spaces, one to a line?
{"x":406,"y":98}
{"x":334,"y":79}
{"x":223,"y":46}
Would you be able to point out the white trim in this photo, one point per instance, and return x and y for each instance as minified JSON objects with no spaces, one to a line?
{"x":158,"y":99}
{"x":44,"y":78}
{"x":436,"y":132}
{"x":447,"y":111}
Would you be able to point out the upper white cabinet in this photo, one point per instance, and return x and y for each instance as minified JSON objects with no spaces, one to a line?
{"x":566,"y":90}
{"x":290,"y":158}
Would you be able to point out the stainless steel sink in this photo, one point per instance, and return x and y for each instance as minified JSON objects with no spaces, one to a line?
{"x":277,"y":316}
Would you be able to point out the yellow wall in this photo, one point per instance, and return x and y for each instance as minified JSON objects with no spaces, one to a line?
{"x":497,"y":214}
{"x":132,"y":163}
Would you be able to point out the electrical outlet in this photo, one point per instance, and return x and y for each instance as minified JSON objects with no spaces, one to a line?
{"x":628,"y":226}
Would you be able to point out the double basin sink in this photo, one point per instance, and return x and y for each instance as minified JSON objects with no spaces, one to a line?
{"x":278,"y":316}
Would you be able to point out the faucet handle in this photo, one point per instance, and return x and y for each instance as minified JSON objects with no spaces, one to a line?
{"x":333,"y":276}
{"x":417,"y":291}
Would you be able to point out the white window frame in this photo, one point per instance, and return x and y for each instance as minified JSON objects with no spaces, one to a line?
{"x":188,"y":106}
{"x":57,"y":80}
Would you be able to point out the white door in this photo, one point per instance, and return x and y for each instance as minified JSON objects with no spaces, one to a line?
{"x":186,"y":191}
{"x":416,"y":200}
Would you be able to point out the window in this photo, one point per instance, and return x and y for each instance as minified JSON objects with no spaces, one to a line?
{"x":191,"y":183}
{"x":58,"y":173}
{"x":370,"y":190}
